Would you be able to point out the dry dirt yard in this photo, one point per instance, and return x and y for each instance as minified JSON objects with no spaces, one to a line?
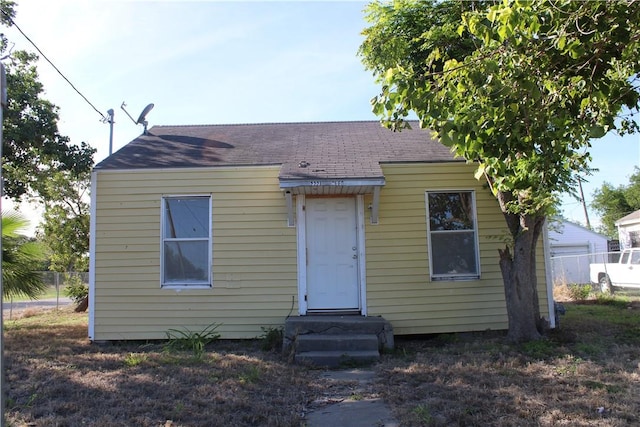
{"x":585,"y":374}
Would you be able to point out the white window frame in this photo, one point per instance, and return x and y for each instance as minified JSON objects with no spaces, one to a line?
{"x":163,"y":238}
{"x":453,"y":276}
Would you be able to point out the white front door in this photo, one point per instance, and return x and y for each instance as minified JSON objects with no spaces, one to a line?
{"x":332,"y":254}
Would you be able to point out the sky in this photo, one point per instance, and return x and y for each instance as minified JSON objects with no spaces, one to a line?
{"x":209,"y":62}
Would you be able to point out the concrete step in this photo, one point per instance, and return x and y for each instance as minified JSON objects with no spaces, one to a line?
{"x":335,"y":359}
{"x":346,"y":342}
{"x":327,"y":324}
{"x":299,"y":326}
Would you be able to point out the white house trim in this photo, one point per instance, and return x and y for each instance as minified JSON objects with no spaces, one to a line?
{"x":476,"y":233}
{"x":548,"y":276}
{"x":291,"y":222}
{"x":301,"y":227}
{"x":92,"y":256}
{"x":362,"y":264}
{"x":375,"y":205}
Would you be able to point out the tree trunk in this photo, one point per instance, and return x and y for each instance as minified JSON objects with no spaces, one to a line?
{"x":83,"y":305}
{"x":519,"y":277}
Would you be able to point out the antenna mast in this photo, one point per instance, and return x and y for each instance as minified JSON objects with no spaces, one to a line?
{"x":142,"y":119}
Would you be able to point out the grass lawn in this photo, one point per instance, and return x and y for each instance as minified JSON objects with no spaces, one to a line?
{"x":50,"y":293}
{"x":587,"y":373}
{"x":584,"y":374}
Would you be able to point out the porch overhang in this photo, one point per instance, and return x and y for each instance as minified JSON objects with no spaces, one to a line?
{"x":332,"y":187}
{"x":326,"y":187}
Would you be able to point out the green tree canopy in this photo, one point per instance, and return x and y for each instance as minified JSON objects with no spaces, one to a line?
{"x":32,"y":146}
{"x":65,"y":229}
{"x":519,"y":88}
{"x":613,"y":203}
{"x":42,"y":164}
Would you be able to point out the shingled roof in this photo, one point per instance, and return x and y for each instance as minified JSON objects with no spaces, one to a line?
{"x":306,"y":151}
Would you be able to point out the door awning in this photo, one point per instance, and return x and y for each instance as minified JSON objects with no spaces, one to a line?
{"x":323,"y":187}
{"x":329,"y":187}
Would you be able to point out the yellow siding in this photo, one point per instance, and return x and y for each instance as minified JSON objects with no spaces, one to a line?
{"x":254,"y":254}
{"x":255,"y":261}
{"x":398,"y":283}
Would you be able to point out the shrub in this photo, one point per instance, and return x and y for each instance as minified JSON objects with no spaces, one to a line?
{"x":75,"y":288}
{"x":579,"y":292}
{"x":561,"y":292}
{"x":271,"y":338}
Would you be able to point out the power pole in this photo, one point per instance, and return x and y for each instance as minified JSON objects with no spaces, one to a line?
{"x":584,"y":203}
{"x":3,"y":104}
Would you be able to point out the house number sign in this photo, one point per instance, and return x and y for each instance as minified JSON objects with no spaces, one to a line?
{"x":328,"y":183}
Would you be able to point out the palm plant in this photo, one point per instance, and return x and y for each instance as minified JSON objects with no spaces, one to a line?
{"x":20,"y":260}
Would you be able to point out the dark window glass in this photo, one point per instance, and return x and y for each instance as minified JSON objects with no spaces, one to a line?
{"x":186,"y":247}
{"x":452,"y":235}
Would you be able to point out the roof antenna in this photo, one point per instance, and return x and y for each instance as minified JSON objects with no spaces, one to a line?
{"x":109,"y":119}
{"x":142,"y":118}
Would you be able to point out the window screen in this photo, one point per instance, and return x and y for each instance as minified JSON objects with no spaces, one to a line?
{"x":186,"y":241}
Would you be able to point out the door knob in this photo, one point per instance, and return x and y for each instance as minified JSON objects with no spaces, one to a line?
{"x":354,"y":256}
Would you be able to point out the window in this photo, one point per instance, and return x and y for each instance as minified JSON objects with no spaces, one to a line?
{"x":186,"y":241}
{"x":452,"y":235}
{"x":625,"y":258}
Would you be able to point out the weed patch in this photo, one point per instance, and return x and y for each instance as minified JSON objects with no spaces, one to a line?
{"x":250,"y":375}
{"x":272,"y":338}
{"x":612,"y":300}
{"x":541,"y":349}
{"x":591,"y":349}
{"x":423,"y":414}
{"x":195,"y":341}
{"x":135,"y":359}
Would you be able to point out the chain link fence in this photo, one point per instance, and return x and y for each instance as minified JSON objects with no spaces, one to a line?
{"x":58,"y":280}
{"x":574,"y":269}
{"x":54,"y":296}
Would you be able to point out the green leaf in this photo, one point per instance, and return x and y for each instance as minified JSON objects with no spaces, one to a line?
{"x":503,"y":32}
{"x":584,"y":103}
{"x":491,"y":16}
{"x":597,"y":132}
{"x":378,"y":108}
{"x":562,"y":42}
{"x":389,"y":75}
{"x":575,"y":49}
{"x":445,"y":139}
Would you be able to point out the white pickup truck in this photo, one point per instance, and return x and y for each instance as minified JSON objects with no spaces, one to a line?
{"x":623,"y":274}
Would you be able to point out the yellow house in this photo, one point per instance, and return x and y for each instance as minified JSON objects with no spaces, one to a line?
{"x":247,"y":225}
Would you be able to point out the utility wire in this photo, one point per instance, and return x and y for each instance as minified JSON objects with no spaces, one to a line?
{"x":104,"y":118}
